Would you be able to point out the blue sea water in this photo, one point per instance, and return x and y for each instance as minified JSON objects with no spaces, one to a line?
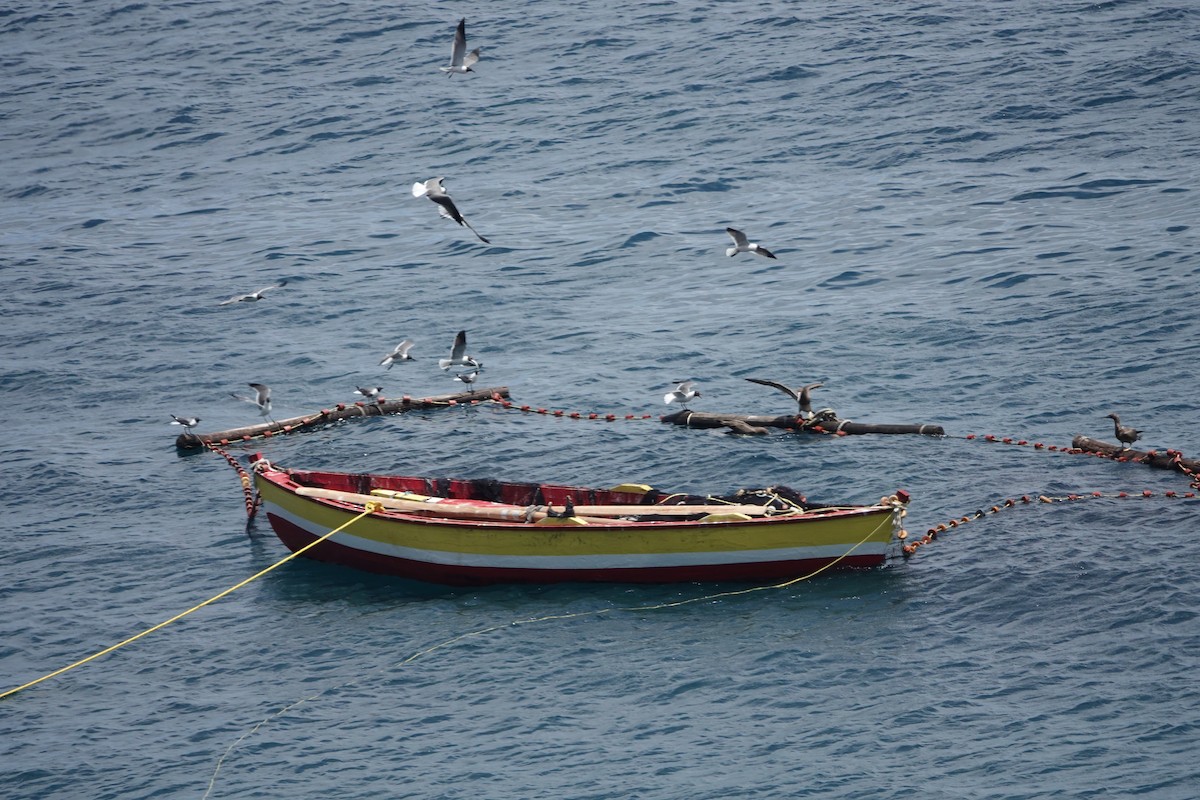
{"x":984,"y":218}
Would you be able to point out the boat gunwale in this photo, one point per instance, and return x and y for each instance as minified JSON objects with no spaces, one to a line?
{"x":431,"y":517}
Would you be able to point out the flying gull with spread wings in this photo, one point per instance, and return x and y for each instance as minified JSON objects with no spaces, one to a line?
{"x":458,"y":355}
{"x":799,"y":394}
{"x":243,"y":298}
{"x":743,"y":245}
{"x":262,"y":399}
{"x":434,"y":190}
{"x":682,"y":394}
{"x":460,"y":60}
{"x":399,"y":353}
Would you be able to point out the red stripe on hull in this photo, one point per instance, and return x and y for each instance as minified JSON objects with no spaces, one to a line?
{"x":294,"y":538}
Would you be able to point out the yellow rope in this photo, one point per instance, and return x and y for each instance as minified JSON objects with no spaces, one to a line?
{"x":548,"y":618}
{"x":371,"y":507}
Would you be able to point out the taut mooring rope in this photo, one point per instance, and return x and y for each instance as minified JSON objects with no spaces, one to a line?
{"x":371,"y":508}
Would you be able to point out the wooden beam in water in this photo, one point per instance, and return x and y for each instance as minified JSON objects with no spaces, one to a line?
{"x":706,"y":419}
{"x":195,"y":441}
{"x":1165,"y":459}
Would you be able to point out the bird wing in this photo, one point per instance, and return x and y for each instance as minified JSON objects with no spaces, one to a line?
{"x":739,"y":238}
{"x":459,"y":48}
{"x":235,"y":299}
{"x":460,"y":346}
{"x":762,"y":251}
{"x":471,"y":58}
{"x":789,"y":391}
{"x":447,"y":208}
{"x":403,"y":348}
{"x":264,"y":392}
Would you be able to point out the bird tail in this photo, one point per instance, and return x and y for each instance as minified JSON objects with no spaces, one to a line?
{"x":419,"y":190}
{"x":444,"y":363}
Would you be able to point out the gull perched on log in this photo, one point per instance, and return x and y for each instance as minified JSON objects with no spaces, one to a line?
{"x":458,"y":355}
{"x":243,"y":298}
{"x":369,"y":392}
{"x":460,"y":60}
{"x":743,"y":245}
{"x":399,"y":353}
{"x":682,"y":394}
{"x":262,"y":399}
{"x":1125,"y":434}
{"x":187,"y":422}
{"x":799,"y":394}
{"x":434,"y":190}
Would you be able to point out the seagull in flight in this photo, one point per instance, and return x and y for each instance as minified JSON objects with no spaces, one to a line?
{"x":262,"y":399}
{"x":399,"y":353}
{"x":458,"y":355}
{"x":434,"y":190}
{"x":743,"y":245}
{"x":1125,"y":434}
{"x":369,"y":392}
{"x":681,"y":394}
{"x":242,"y":298}
{"x":460,"y":60}
{"x":800,"y":394}
{"x":187,"y":422}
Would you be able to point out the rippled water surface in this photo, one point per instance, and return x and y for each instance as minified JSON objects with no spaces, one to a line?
{"x":983,"y":217}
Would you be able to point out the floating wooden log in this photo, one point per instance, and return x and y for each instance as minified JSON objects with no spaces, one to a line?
{"x":1165,"y":459}
{"x":195,"y":441}
{"x":741,"y":422}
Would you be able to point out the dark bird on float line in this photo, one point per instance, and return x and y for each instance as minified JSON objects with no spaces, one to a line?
{"x":187,"y":422}
{"x":369,"y":392}
{"x":242,"y":298}
{"x":1125,"y":434}
{"x":800,"y":394}
{"x":682,"y":394}
{"x":460,"y":60}
{"x":458,"y":355}
{"x":262,"y":399}
{"x":743,"y":245}
{"x":434,"y":190}
{"x":399,"y":353}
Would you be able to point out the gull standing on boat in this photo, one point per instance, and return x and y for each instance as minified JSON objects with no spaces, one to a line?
{"x":262,"y":399}
{"x":1125,"y":434}
{"x":187,"y":422}
{"x":369,"y":392}
{"x":242,"y":298}
{"x":399,"y":353}
{"x":682,"y":394}
{"x":434,"y":190}
{"x":460,"y":60}
{"x":800,"y":394}
{"x":743,"y":245}
{"x":458,"y":355}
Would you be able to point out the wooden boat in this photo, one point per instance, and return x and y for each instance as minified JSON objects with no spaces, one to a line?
{"x":471,"y":532}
